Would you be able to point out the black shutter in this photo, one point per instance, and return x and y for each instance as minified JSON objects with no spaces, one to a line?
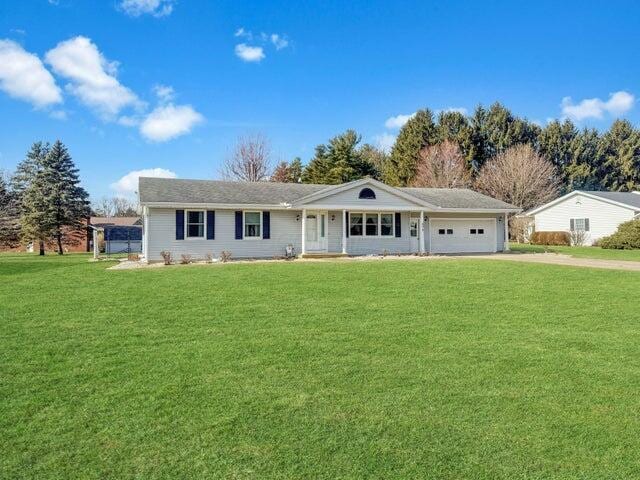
{"x":266,"y":225}
{"x":238,"y":225}
{"x":572,"y":225}
{"x":586,"y":224}
{"x":398,"y":224}
{"x":346,"y":223}
{"x":211,"y":225}
{"x":179,"y":224}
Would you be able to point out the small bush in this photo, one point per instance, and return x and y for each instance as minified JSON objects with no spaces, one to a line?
{"x":185,"y":259}
{"x":166,"y":256}
{"x":578,"y":237}
{"x":551,"y":238}
{"x":208,"y":258}
{"x":627,"y":237}
{"x":225,"y":256}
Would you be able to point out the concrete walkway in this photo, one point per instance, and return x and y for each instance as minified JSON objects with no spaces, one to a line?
{"x":559,"y":259}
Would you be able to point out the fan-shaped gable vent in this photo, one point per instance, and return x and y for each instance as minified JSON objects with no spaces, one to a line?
{"x":367,"y":194}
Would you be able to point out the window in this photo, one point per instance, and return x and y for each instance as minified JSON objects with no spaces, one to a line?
{"x":580,"y":224}
{"x":449,"y":231}
{"x":386,"y":224}
{"x":356,"y":225}
{"x":413,"y":230}
{"x":472,"y":231}
{"x":371,"y":224}
{"x":441,"y":231}
{"x":252,"y":224}
{"x":371,"y":228}
{"x":367,"y":194}
{"x":195,"y":224}
{"x":481,"y":231}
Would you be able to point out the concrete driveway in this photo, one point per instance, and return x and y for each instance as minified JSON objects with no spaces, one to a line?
{"x":559,"y":259}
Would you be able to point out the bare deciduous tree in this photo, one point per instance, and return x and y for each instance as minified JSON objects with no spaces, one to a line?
{"x":519,"y":176}
{"x":250,"y":160}
{"x":441,"y":166}
{"x":115,"y":207}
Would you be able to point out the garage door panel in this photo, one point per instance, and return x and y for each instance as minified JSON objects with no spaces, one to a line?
{"x":463,"y":235}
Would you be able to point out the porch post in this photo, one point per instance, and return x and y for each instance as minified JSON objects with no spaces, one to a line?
{"x":345,"y":223}
{"x":421,"y":230}
{"x":304,"y":230}
{"x":506,"y":232}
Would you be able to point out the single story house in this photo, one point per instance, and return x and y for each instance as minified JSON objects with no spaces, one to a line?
{"x":598,"y":214}
{"x":260,"y":220}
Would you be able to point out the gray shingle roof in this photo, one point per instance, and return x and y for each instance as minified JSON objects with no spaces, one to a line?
{"x":628,"y":198}
{"x":172,"y":190}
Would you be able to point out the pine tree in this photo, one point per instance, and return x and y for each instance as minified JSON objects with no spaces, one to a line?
{"x":9,"y":215}
{"x":287,"y":172}
{"x":620,"y":151}
{"x":581,"y":173}
{"x":55,"y":203}
{"x":504,"y":130}
{"x":419,"y":132}
{"x":338,"y":162}
{"x":556,"y":144}
{"x":455,"y":127}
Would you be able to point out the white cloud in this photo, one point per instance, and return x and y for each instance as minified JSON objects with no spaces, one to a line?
{"x":385,"y":141}
{"x":23,"y":76}
{"x":164,"y":93}
{"x":157,"y":8}
{"x":241,"y":32}
{"x":93,"y":78}
{"x":618,"y":104}
{"x":278,"y":41}
{"x":58,"y":114}
{"x":461,"y":110}
{"x":169,"y":121}
{"x":249,"y":53}
{"x":127,"y":186}
{"x":398,"y":121}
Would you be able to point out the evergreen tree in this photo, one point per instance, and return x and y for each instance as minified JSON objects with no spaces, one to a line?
{"x":455,"y":127}
{"x":556,"y":144}
{"x":620,"y":151}
{"x":55,"y":204}
{"x":504,"y":130}
{"x":419,"y":132}
{"x":581,"y":173}
{"x":375,"y":157}
{"x":9,"y":215}
{"x":338,"y":162}
{"x":287,"y":172}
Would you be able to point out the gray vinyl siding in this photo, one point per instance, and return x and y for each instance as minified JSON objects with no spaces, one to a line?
{"x":161,"y":235}
{"x":377,"y":245}
{"x":350,"y":197}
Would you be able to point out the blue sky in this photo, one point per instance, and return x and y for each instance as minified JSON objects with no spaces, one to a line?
{"x":130,"y":85}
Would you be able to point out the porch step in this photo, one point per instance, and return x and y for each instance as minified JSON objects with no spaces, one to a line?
{"x":323,"y":255}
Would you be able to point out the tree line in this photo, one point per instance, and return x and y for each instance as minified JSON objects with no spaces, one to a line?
{"x":572,"y":158}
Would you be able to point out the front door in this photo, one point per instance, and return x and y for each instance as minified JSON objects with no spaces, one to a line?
{"x":414,"y":225}
{"x":316,"y":232}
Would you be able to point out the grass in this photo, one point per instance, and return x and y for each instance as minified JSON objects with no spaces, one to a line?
{"x":579,"y":252}
{"x":442,"y":369}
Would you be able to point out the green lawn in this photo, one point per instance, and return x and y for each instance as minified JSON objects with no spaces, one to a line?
{"x":443,"y":369}
{"x":580,"y":252}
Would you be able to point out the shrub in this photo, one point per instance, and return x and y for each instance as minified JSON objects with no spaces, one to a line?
{"x":185,"y":259}
{"x":166,"y":256}
{"x":550,"y":238}
{"x":627,"y":237}
{"x":208,"y":258}
{"x":578,"y":237}
{"x":225,"y":256}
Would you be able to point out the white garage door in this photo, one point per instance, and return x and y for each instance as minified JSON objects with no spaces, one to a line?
{"x":454,"y":235}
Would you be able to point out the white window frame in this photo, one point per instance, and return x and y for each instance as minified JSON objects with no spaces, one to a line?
{"x":244,"y":225}
{"x":379,"y":230}
{"x":186,"y":225}
{"x":584,"y":225}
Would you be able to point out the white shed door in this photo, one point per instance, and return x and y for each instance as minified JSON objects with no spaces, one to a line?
{"x":453,"y":235}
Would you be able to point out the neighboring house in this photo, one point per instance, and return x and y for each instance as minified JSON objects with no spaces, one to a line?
{"x":598,"y":214}
{"x":120,"y":234}
{"x":259,"y":220}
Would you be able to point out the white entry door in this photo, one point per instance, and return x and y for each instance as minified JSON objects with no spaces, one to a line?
{"x":316,"y":232}
{"x":414,"y":234}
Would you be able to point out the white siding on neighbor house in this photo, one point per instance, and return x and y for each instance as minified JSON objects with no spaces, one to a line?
{"x":604,"y":217}
{"x":161,"y":235}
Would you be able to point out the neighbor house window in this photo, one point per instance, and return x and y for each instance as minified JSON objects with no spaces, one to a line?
{"x":372,"y":224}
{"x":579,"y":224}
{"x":252,"y":224}
{"x":441,"y":231}
{"x":481,"y":231}
{"x":449,"y":231}
{"x":386,"y":224}
{"x":195,"y":224}
{"x":472,"y":231}
{"x":356,"y":225}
